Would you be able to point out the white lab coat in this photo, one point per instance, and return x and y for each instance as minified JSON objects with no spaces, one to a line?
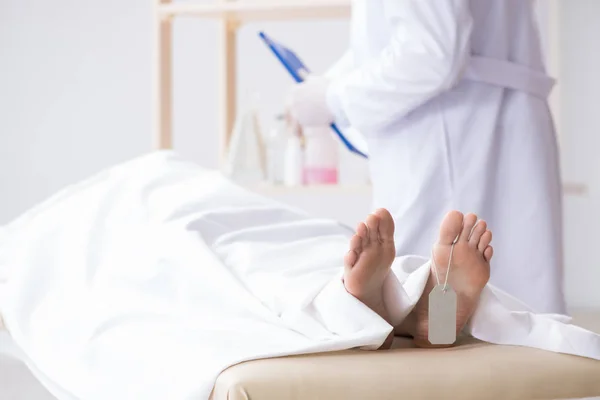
{"x":450,"y":97}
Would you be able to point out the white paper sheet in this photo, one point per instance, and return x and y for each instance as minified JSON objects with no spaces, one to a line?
{"x":149,"y":279}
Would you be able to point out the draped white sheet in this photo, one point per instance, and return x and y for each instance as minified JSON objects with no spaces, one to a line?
{"x":150,"y":278}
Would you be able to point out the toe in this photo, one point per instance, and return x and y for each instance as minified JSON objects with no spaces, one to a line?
{"x":478,"y":230}
{"x":450,"y":227}
{"x":488,"y":253}
{"x":386,"y":225}
{"x":363,"y":233}
{"x":373,"y":227}
{"x":468,"y":223}
{"x":356,"y":243}
{"x":485,"y":240}
{"x":350,"y":258}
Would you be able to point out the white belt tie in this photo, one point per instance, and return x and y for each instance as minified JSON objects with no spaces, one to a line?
{"x":509,"y":75}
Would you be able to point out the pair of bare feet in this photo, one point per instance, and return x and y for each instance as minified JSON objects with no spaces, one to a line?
{"x":372,"y":252}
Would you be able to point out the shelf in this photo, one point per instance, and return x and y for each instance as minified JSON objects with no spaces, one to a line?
{"x":575,"y":189}
{"x":569,"y":189}
{"x":268,"y":189}
{"x":261,"y":10}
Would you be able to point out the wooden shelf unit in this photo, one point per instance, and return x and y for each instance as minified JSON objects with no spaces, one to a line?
{"x":231,"y":14}
{"x":569,"y":188}
{"x":260,"y":10}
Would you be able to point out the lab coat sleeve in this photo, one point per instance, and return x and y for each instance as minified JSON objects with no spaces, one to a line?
{"x":425,"y":56}
{"x":342,"y":67}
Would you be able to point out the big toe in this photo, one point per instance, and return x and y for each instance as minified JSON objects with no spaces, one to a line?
{"x":386,"y":225}
{"x":451,"y":227}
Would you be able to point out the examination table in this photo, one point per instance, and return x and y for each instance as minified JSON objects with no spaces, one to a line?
{"x":471,"y":370}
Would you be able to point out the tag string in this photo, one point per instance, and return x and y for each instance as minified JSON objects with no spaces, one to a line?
{"x":435,"y":269}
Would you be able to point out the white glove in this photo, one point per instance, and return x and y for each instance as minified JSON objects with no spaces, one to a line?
{"x":308,"y":102}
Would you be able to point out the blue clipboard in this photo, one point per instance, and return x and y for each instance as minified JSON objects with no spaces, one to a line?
{"x":299,"y":72}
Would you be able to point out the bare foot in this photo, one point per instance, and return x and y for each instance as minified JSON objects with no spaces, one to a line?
{"x":469,"y":272}
{"x":367,"y":264}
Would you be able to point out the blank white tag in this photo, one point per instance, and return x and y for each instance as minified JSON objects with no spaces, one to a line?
{"x":442,"y":315}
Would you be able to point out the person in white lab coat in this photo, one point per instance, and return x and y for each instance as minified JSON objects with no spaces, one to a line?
{"x":450,"y":98}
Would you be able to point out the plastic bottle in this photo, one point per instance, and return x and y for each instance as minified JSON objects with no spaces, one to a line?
{"x":294,"y":159}
{"x":321,"y":161}
{"x":275,"y":149}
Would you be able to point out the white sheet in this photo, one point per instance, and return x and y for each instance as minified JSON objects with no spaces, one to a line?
{"x":149,"y":279}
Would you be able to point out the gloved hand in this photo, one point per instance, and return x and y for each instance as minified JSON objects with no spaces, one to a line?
{"x":307,"y":102}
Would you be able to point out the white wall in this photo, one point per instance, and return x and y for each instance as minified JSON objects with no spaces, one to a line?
{"x":75,"y":97}
{"x":74,"y":93}
{"x":580,"y":129}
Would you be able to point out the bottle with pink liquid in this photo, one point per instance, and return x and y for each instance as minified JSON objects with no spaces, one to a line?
{"x":320,"y":156}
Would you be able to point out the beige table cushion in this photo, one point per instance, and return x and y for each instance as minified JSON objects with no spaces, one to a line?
{"x":471,"y":370}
